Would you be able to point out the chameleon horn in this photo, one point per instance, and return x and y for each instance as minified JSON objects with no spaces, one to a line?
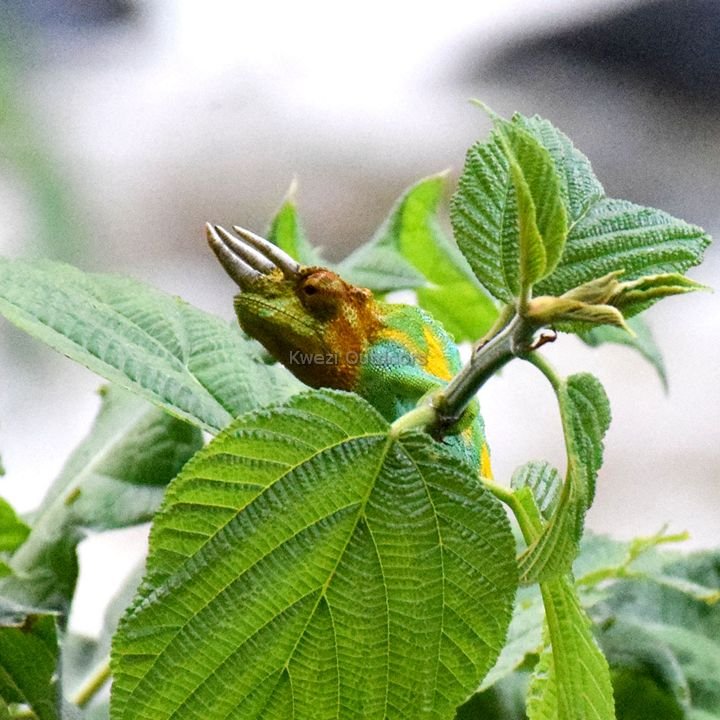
{"x":242,"y":273}
{"x":251,"y":256}
{"x":272,"y":252}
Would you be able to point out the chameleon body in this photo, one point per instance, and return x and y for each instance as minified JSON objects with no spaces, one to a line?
{"x":330,"y":333}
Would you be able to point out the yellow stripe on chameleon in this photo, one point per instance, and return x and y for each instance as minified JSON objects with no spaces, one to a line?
{"x":401,"y":338}
{"x":485,"y":467}
{"x":435,"y":363}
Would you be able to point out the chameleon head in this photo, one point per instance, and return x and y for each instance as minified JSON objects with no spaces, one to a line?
{"x":308,"y":318}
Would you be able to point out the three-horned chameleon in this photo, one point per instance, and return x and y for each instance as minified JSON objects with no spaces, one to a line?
{"x":330,"y":333}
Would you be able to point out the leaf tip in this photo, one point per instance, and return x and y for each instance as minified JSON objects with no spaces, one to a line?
{"x":486,"y":109}
{"x":291,"y":193}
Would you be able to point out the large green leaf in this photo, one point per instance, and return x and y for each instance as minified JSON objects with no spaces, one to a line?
{"x":496,"y":198}
{"x":308,"y":564}
{"x":572,"y":678}
{"x":190,"y":363}
{"x":115,"y":478}
{"x":619,"y":235}
{"x":585,"y":414}
{"x":28,"y":660}
{"x":412,"y":239}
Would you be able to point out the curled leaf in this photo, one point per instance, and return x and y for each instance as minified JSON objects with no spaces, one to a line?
{"x":562,"y":311}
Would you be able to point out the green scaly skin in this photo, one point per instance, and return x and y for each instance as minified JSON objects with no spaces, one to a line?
{"x":411,"y":357}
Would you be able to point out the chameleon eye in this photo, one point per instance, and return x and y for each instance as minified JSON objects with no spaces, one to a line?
{"x":310,"y":289}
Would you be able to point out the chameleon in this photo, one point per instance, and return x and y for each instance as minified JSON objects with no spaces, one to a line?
{"x":330,"y":333}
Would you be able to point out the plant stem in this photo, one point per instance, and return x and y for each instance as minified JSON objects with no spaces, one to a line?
{"x":511,"y":342}
{"x":419,"y":417}
{"x":93,"y":684}
{"x":546,"y":369}
{"x":510,"y":498}
{"x":444,"y":408}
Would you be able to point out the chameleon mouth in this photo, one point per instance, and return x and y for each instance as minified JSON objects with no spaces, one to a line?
{"x":255,"y":304}
{"x":248,"y":257}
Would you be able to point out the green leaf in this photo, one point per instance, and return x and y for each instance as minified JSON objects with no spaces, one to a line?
{"x":643,"y":342}
{"x":544,"y":482}
{"x":188,"y":362}
{"x":585,"y":415}
{"x":383,"y":263}
{"x":115,"y":478}
{"x":688,"y":626}
{"x":524,"y":637}
{"x":13,"y":531}
{"x":287,"y":232}
{"x":117,"y":475}
{"x":634,"y":296}
{"x":619,"y":235}
{"x":451,"y":294}
{"x":28,"y":660}
{"x":572,"y":678}
{"x":379,"y":267}
{"x":606,"y":233}
{"x":647,"y":679}
{"x":578,"y":185}
{"x":412,"y":243}
{"x":508,"y":214}
{"x":655,"y":670}
{"x":542,"y":218}
{"x":307,"y":564}
{"x":500,"y":198}
{"x":483,"y":213}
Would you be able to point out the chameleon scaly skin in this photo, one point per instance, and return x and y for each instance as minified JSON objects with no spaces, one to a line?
{"x":330,"y":333}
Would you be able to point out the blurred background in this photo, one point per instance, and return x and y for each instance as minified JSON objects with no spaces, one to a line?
{"x":125,"y":124}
